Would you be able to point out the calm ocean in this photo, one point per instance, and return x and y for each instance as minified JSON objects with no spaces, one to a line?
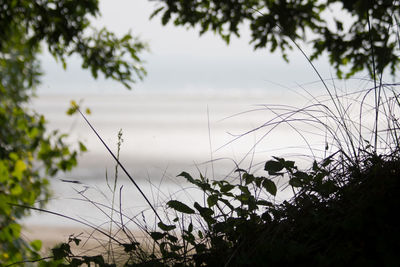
{"x":163,"y":135}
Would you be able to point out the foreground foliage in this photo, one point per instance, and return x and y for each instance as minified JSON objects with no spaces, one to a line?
{"x":29,"y":155}
{"x":342,"y":207}
{"x":339,"y":215}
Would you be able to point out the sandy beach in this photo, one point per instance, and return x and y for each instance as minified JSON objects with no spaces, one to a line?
{"x":92,"y":242}
{"x":49,"y":235}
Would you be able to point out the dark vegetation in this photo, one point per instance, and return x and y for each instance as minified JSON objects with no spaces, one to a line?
{"x":341,"y":213}
{"x":342,"y":210}
{"x":30,"y":155}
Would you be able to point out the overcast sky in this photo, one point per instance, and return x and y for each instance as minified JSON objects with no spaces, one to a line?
{"x":181,"y":60}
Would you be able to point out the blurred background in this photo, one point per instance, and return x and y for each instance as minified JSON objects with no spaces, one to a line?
{"x":194,"y":112}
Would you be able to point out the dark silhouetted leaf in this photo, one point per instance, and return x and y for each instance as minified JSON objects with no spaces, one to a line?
{"x":273,"y":167}
{"x":157,"y":235}
{"x":166,"y":227}
{"x":295,"y":182}
{"x":179,"y":206}
{"x":171,"y":238}
{"x":212,"y":200}
{"x":270,"y":186}
{"x":206,"y":213}
{"x":226,"y":188}
{"x":248,"y":178}
{"x":187,"y":176}
{"x":130,"y":246}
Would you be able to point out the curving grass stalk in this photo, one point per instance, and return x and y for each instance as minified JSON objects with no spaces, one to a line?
{"x":119,"y":164}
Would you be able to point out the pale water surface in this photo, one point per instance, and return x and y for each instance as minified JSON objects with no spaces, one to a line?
{"x":163,"y":135}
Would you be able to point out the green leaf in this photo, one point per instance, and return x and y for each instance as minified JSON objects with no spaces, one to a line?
{"x":203,"y":211}
{"x":75,"y":240}
{"x":226,"y":188}
{"x":212,"y":200}
{"x":302,"y":175}
{"x":269,"y":186}
{"x":130,"y":246}
{"x":36,"y":245}
{"x":315,"y":166}
{"x":3,"y":172}
{"x":19,"y":168}
{"x":273,"y":167}
{"x":155,"y":12}
{"x":16,"y":190}
{"x":226,"y":202}
{"x":13,"y":156}
{"x":326,"y":162}
{"x":172,"y":238}
{"x":175,"y":247}
{"x":245,"y":190}
{"x":206,"y":213}
{"x":166,"y":227}
{"x":243,"y":198}
{"x":157,"y":235}
{"x":258,"y":181}
{"x":74,"y":263}
{"x":73,"y":108}
{"x":61,"y":251}
{"x":98,"y":260}
{"x":82,"y":147}
{"x":187,"y":176}
{"x":295,"y":182}
{"x":288,"y":164}
{"x":248,"y":178}
{"x":179,"y":206}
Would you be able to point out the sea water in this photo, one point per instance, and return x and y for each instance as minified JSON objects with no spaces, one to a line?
{"x":163,"y":134}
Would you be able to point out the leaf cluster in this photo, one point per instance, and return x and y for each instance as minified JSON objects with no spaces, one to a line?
{"x":362,"y":36}
{"x":64,"y":27}
{"x":29,"y":155}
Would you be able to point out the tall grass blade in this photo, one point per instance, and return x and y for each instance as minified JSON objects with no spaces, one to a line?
{"x":119,"y":163}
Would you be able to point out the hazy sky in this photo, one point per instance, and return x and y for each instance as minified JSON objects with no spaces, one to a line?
{"x":181,"y":60}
